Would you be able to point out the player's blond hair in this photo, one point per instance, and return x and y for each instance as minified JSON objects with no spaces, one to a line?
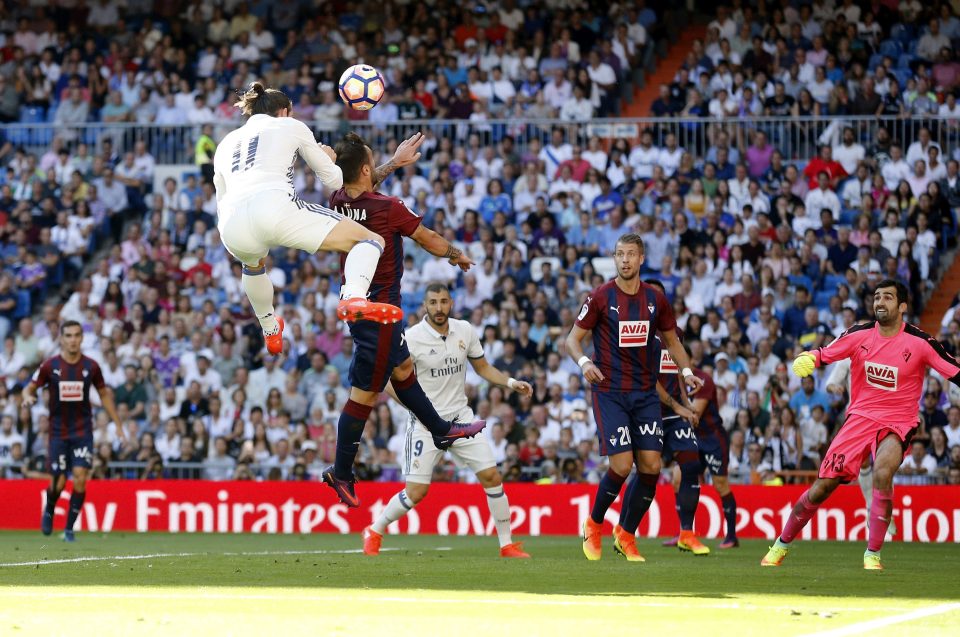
{"x":261,"y":100}
{"x":634,"y":238}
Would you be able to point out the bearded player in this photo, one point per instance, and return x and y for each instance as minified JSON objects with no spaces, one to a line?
{"x":380,"y":350}
{"x":68,"y":378}
{"x":888,"y":362}
{"x":622,"y":316}
{"x":441,"y":347}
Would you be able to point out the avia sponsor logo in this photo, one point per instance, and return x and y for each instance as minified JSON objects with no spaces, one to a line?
{"x":71,"y":391}
{"x":634,"y":333}
{"x":667,"y":366}
{"x":881,"y":376}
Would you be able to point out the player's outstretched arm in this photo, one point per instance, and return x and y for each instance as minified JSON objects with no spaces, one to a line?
{"x":675,"y":347}
{"x":493,"y":375}
{"x":319,"y":157}
{"x":408,"y":152}
{"x":574,"y":348}
{"x":938,"y":358}
{"x":440,"y":247}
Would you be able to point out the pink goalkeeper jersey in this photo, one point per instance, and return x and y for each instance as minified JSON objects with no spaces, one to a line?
{"x":887,"y":373}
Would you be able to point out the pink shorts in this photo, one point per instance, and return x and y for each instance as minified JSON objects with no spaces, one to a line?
{"x":858,"y":436}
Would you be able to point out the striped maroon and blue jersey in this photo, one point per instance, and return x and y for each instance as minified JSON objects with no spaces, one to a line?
{"x":669,"y":378}
{"x":68,"y":390}
{"x":710,"y":421}
{"x":391,"y":219}
{"x":624,"y":326}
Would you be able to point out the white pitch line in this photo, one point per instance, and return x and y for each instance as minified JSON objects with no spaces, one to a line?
{"x":147,"y":556}
{"x":861,"y":628}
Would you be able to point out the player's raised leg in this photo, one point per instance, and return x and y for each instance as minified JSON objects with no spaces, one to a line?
{"x":364,"y":249}
{"x":808,"y":504}
{"x":411,"y":394}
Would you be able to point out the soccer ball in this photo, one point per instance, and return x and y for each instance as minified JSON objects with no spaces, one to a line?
{"x":361,"y":87}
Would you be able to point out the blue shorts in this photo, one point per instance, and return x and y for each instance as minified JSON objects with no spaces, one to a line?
{"x":377,"y":349}
{"x":678,"y":436}
{"x":66,"y":454}
{"x":628,"y":421}
{"x":714,"y":451}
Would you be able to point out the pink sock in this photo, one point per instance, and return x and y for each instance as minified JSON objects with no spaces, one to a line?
{"x":880,"y":510}
{"x":802,"y":513}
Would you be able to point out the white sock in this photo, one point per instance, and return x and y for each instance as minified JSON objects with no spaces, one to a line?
{"x":866,"y":486}
{"x":259,"y":290}
{"x":359,"y":268}
{"x":396,"y":508}
{"x":500,"y":510}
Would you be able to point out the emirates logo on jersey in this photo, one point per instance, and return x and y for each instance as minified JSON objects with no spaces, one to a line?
{"x":881,"y":376}
{"x":667,"y":366}
{"x":633,"y":333}
{"x":71,"y":391}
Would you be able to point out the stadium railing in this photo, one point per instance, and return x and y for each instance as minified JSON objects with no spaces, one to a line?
{"x":797,"y":137}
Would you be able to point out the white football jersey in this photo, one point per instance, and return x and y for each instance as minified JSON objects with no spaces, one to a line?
{"x":441,"y":362}
{"x":261,"y":154}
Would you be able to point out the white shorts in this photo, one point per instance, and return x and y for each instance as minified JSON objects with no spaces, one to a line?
{"x":420,"y":455}
{"x":251,"y":228}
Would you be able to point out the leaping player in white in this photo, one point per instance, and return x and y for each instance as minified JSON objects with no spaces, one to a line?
{"x":440,"y":347}
{"x":258,"y":208}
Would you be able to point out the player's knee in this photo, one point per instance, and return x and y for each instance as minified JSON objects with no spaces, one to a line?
{"x":376,"y":237}
{"x":882,"y":477}
{"x":416,"y":492}
{"x":489,"y":478}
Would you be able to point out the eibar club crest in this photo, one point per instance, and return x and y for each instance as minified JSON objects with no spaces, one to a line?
{"x":906,"y":355}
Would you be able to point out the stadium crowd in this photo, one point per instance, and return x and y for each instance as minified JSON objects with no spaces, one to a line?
{"x":762,"y":252}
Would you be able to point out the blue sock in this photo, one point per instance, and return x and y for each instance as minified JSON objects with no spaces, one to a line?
{"x":637,"y":500}
{"x":349,"y":431}
{"x":607,"y":492}
{"x":688,"y":497}
{"x":76,"y":503}
{"x":730,"y":514}
{"x":411,"y":395}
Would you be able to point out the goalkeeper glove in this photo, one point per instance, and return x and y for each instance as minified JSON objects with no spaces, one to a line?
{"x":804,"y":364}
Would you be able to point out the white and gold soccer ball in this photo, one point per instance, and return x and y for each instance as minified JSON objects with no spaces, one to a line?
{"x":361,"y":87}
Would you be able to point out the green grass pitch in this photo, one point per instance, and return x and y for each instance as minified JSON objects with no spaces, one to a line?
{"x":278,"y":585}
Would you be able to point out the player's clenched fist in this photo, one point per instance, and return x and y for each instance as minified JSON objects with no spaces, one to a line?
{"x":592,"y":373}
{"x":804,"y":364}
